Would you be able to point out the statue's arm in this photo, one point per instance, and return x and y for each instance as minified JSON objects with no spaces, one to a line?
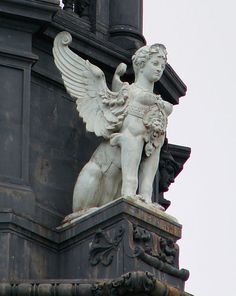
{"x":168,"y":108}
{"x":116,"y":81}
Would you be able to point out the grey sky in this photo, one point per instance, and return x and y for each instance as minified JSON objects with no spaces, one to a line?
{"x":200,"y":39}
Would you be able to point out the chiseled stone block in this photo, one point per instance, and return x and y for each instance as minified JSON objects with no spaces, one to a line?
{"x":121,"y":237}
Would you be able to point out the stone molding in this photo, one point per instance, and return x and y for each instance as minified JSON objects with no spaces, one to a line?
{"x":100,"y":239}
{"x":34,"y":10}
{"x":135,"y":283}
{"x":57,"y":239}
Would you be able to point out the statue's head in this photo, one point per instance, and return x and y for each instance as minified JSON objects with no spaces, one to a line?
{"x":150,"y":58}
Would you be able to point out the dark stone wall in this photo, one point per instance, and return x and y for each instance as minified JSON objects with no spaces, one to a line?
{"x":59,"y":148}
{"x":43,"y":141}
{"x":27,"y":249}
{"x":54,"y":148}
{"x":16,"y":60}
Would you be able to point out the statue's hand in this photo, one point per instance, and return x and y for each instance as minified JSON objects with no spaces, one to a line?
{"x":121,"y":69}
{"x":160,"y":102}
{"x":116,"y":82}
{"x":168,"y":107}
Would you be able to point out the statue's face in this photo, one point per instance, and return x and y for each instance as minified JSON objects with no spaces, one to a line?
{"x":154,"y":68}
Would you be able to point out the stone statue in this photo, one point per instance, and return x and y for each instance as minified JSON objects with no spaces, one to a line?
{"x":131,"y":119}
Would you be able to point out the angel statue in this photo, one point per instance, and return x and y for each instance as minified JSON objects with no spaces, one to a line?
{"x":131,"y":119}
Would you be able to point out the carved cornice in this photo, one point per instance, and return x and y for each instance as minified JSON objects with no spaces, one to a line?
{"x":38,"y":10}
{"x":18,"y":54}
{"x":46,"y":4}
{"x":81,"y":34}
{"x":180,"y":153}
{"x":172,"y":160}
{"x":170,"y":86}
{"x":169,"y":168}
{"x":132,"y":283}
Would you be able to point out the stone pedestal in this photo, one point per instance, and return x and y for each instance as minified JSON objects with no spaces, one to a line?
{"x":123,"y":237}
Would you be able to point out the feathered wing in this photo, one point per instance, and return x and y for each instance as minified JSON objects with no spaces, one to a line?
{"x":102,"y":110}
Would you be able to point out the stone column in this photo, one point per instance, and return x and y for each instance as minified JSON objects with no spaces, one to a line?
{"x":126,"y":20}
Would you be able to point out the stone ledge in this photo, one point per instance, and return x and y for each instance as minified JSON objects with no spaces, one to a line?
{"x":48,"y":4}
{"x":115,"y":210}
{"x":34,"y":10}
{"x":18,"y":54}
{"x":107,"y":242}
{"x":132,"y":283}
{"x":27,"y":228}
{"x":119,"y":208}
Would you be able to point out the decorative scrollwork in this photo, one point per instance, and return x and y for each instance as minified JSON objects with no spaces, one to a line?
{"x":102,"y":247}
{"x":135,"y":282}
{"x":160,"y":265}
{"x":143,"y":237}
{"x":168,"y":250}
{"x":141,"y":234}
{"x":163,"y":258}
{"x":97,"y":289}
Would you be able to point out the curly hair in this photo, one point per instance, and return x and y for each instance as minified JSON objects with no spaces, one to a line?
{"x":143,"y":54}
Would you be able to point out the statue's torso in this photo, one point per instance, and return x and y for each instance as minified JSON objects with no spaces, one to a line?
{"x":142,"y":97}
{"x":143,"y":108}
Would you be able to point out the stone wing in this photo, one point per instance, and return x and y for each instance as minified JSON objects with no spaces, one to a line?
{"x":101,"y":109}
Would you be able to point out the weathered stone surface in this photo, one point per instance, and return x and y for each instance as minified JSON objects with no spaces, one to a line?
{"x":103,"y":244}
{"x":138,"y":283}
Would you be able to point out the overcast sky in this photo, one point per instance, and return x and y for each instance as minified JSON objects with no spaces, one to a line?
{"x":200,"y":39}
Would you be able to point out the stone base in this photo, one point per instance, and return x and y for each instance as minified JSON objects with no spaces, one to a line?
{"x":123,"y":236}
